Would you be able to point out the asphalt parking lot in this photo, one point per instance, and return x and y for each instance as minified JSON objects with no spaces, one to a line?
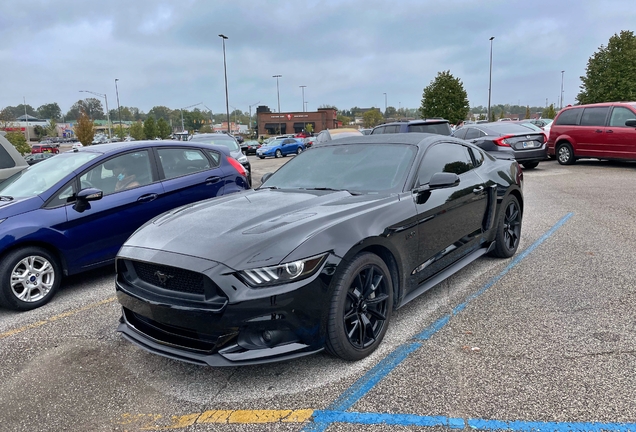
{"x":543,"y":341}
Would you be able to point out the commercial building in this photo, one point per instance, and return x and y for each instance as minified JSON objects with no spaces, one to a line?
{"x":270,"y":123}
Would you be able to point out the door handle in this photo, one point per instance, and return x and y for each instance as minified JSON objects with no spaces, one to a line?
{"x":598,"y":131}
{"x":147,"y":197}
{"x":212,"y":180}
{"x":478,"y":190}
{"x":610,"y":131}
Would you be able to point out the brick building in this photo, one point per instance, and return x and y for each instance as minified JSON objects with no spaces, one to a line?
{"x":269,"y":123}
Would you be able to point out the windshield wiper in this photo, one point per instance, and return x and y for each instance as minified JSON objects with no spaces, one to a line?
{"x":333,"y":189}
{"x":6,"y":198}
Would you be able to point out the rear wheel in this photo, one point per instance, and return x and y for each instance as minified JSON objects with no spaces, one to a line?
{"x":530,"y":165}
{"x":508,"y":228}
{"x":565,"y":154}
{"x":360,"y":308}
{"x":29,"y":278}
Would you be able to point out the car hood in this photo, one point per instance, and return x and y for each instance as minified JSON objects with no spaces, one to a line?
{"x":253,"y":228}
{"x":18,"y":206}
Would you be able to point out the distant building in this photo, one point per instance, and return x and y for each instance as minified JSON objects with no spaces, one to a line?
{"x":269,"y":123}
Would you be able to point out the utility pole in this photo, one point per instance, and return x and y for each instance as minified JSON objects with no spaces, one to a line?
{"x":490,"y":78}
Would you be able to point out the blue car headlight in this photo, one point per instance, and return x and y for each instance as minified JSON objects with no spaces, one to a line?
{"x":288,"y":272}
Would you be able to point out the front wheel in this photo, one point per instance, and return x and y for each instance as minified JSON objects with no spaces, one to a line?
{"x":508,"y":228}
{"x":299,"y":150}
{"x":29,"y":278}
{"x":279,"y":153}
{"x":360,"y":308}
{"x":565,"y":154}
{"x":261,"y":157}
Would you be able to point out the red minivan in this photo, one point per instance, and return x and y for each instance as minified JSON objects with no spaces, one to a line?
{"x":602,"y":131}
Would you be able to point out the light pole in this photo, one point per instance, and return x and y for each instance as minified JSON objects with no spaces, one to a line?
{"x":181,"y":109}
{"x":278,"y":95}
{"x":306,"y":105}
{"x":250,"y":108}
{"x":118,"y":108}
{"x":235,"y":110}
{"x":110,"y":134}
{"x":490,"y":78}
{"x":211,"y":117}
{"x":303,"y":87}
{"x":385,"y":104}
{"x":561,"y":107}
{"x":227,"y":102}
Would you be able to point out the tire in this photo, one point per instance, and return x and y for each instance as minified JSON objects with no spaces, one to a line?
{"x":261,"y":157}
{"x":529,"y":165}
{"x":508,"y":228}
{"x":37,"y":276}
{"x":279,"y":153}
{"x":299,"y":150}
{"x":565,"y":154}
{"x":353,"y":302}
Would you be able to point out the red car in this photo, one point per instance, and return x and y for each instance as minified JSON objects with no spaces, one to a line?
{"x":43,"y":148}
{"x":602,"y":131}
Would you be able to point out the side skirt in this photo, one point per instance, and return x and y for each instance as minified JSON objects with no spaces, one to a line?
{"x":446,"y":273}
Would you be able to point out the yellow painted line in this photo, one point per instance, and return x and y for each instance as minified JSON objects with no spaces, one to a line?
{"x":154,"y":421}
{"x":55,"y":318}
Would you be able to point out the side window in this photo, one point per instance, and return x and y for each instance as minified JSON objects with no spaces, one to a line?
{"x":177,"y":162}
{"x":6,"y":161}
{"x":620,"y":115}
{"x":460,"y":133}
{"x":66,"y":195}
{"x":446,"y":157}
{"x":216,"y":158}
{"x":594,"y":116}
{"x":478,"y":156}
{"x":392,"y":129}
{"x":378,"y":130}
{"x":569,"y":117}
{"x":122,"y":172}
{"x":472,"y":133}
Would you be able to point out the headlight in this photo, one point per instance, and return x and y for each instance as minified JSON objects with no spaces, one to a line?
{"x":280,"y":274}
{"x":242,"y":158}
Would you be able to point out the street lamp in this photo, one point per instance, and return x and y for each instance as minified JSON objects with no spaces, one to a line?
{"x":561,"y":105}
{"x":227,"y":103}
{"x":490,"y":78}
{"x":385,"y":103}
{"x":303,"y":87}
{"x":110,"y":135}
{"x":250,"y":108}
{"x":118,"y":108}
{"x":278,"y":95}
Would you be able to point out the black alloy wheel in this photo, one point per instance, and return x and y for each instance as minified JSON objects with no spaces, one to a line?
{"x":361,"y":307}
{"x":508,"y":228}
{"x":565,"y":154}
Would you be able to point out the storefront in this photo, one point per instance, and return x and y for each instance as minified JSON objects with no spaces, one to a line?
{"x":295,"y":122}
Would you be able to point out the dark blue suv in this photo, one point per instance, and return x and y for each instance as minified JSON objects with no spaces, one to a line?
{"x":434,"y":126}
{"x":72,"y":212}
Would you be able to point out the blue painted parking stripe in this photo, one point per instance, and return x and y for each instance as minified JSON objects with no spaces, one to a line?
{"x":361,"y":387}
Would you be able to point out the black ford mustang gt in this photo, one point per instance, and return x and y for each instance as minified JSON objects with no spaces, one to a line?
{"x":320,"y":255}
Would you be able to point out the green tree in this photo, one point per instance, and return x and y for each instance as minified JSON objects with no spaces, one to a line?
{"x":527,"y":112}
{"x":84,"y":129}
{"x":549,"y":112}
{"x":445,"y":97}
{"x":137,"y":130}
{"x":50,"y":111}
{"x":390,"y":112}
{"x":502,"y":114}
{"x":344,"y":119}
{"x":91,"y":106}
{"x":309,"y":128}
{"x":163,"y":128}
{"x":51,"y":128}
{"x":150,"y":128}
{"x":610,"y":75}
{"x":372,"y":118}
{"x":19,"y":142}
{"x":204,"y":129}
{"x":40,"y":131}
{"x":159,"y":112}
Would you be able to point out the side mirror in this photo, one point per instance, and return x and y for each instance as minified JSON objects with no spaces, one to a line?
{"x":265,"y":177}
{"x":442,"y":180}
{"x":630,"y":123}
{"x":84,"y":197}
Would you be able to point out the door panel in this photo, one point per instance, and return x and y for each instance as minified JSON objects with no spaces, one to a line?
{"x":621,"y":139}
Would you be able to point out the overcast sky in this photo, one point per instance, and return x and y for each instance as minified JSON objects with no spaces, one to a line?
{"x":347,"y":53}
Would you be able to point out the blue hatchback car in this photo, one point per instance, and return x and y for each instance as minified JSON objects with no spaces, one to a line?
{"x":281,"y":147}
{"x":73,"y":212}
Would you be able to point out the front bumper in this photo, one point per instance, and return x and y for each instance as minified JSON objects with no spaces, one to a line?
{"x":226,"y":324}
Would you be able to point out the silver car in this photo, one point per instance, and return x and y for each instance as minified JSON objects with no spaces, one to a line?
{"x":11,"y":161}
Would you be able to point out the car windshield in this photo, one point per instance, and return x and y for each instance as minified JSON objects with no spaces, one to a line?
{"x":532,"y":126}
{"x":225,"y":141}
{"x":507,"y":128}
{"x":274,"y":143}
{"x":39,"y":177}
{"x":359,"y":168}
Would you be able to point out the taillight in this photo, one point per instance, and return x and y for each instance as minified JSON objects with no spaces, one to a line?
{"x":237,"y":166}
{"x":502,"y":141}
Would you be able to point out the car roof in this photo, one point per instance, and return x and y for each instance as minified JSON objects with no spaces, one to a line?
{"x":416,"y":121}
{"x":134,"y":145}
{"x":419,"y":139}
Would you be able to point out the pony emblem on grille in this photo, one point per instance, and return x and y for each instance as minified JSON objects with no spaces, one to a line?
{"x":163,"y":277}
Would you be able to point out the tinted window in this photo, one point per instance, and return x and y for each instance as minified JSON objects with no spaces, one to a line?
{"x":452,"y":158}
{"x":505,"y":128}
{"x":594,"y":116}
{"x":478,"y":156}
{"x":216,"y":157}
{"x":620,"y":115}
{"x":392,"y":129}
{"x":378,"y":130}
{"x":569,"y":117}
{"x":65,"y":196}
{"x":472,"y":133}
{"x":218,"y":139}
{"x":179,"y":162}
{"x":435,"y":128}
{"x":6,"y":161}
{"x":460,"y":133}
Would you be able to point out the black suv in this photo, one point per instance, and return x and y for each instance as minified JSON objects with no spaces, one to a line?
{"x":434,"y":126}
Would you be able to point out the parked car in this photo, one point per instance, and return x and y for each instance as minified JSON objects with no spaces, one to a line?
{"x":78,"y":145}
{"x":281,"y":147}
{"x":328,"y":135}
{"x":309,"y":141}
{"x":366,"y":131}
{"x":34,"y":158}
{"x":11,"y":161}
{"x":320,"y":255}
{"x":44,"y":148}
{"x":436,"y":126}
{"x":250,"y":147}
{"x":541,"y":122}
{"x":602,"y":131}
{"x":227,"y":141}
{"x":507,"y":139}
{"x":73,"y":212}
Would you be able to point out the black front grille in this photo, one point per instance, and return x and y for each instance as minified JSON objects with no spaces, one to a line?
{"x":170,"y":278}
